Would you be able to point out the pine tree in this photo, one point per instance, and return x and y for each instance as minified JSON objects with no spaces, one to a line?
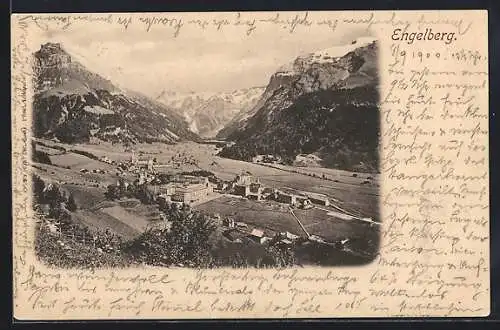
{"x":112,"y":192}
{"x":71,"y":203}
{"x":38,"y":187}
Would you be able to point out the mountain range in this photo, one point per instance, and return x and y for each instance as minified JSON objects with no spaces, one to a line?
{"x":324,"y":104}
{"x":73,"y":104}
{"x":208,"y":112}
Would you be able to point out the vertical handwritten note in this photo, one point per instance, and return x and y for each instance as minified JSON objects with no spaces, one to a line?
{"x":435,"y":165}
{"x":434,"y":250}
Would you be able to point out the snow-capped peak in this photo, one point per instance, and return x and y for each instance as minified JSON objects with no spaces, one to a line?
{"x":327,"y":55}
{"x":339,"y":51}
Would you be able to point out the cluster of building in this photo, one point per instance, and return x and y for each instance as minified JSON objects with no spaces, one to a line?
{"x":144,"y":167}
{"x":266,"y":159}
{"x":98,"y":171}
{"x":106,"y":160}
{"x":263,"y":236}
{"x":185,"y":189}
{"x":141,"y":162}
{"x":238,"y":231}
{"x":250,"y":187}
{"x":300,"y":198}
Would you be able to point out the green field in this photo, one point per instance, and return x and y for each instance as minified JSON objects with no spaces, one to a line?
{"x":98,"y":220}
{"x":48,"y":151}
{"x":73,"y":177}
{"x":127,"y":218}
{"x":85,"y":197}
{"x":318,"y":222}
{"x":78,"y":162}
{"x":264,"y":215}
{"x":130,"y":219}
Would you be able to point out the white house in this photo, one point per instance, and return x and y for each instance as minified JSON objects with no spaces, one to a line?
{"x":258,"y":235}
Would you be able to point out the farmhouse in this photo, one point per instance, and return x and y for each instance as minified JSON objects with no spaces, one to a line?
{"x":316,"y":198}
{"x":258,"y":236}
{"x":105,"y":159}
{"x":300,"y":198}
{"x":266,"y":159}
{"x":284,"y":197}
{"x":290,"y":196}
{"x":266,"y":192}
{"x":288,"y":235}
{"x":240,"y":224}
{"x":320,"y":200}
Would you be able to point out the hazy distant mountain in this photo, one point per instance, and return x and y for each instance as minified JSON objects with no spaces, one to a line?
{"x":74,"y":105}
{"x":207,"y":113}
{"x":324,"y":103}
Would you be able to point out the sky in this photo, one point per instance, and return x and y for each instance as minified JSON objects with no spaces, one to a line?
{"x":199,"y":60}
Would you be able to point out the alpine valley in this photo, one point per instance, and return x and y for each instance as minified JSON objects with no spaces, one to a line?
{"x":208,"y":112}
{"x":277,"y":176}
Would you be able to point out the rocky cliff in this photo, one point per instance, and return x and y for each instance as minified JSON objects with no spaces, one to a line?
{"x":325,"y":103}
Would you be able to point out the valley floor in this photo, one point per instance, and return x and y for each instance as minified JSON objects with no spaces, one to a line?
{"x":87,"y":178}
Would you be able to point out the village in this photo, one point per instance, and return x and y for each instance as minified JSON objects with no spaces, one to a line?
{"x":200,"y":189}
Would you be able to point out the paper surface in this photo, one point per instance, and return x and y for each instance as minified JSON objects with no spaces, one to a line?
{"x":433,"y":256}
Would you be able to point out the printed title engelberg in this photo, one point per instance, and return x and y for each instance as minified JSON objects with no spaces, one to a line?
{"x":428,"y":35}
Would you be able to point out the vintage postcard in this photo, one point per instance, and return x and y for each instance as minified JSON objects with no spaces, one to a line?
{"x":250,"y":165}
